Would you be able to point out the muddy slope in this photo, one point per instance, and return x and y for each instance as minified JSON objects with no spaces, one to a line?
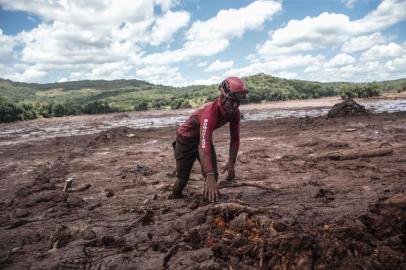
{"x":311,"y":193}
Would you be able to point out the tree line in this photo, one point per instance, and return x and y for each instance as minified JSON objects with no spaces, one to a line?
{"x":262,"y":87}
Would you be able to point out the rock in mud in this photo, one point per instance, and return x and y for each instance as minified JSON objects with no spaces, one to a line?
{"x":109,"y":193}
{"x":398,"y":200}
{"x":108,"y":240}
{"x":74,"y":201}
{"x":142,"y":169}
{"x":88,"y":234}
{"x":19,"y":213}
{"x":202,"y":254}
{"x":238,"y":223}
{"x":347,"y":108}
{"x":210,"y":265}
{"x":325,"y":195}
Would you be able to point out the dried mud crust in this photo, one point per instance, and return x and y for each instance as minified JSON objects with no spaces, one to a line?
{"x":294,"y":204}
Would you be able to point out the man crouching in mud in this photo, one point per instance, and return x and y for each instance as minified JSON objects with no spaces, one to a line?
{"x":194,"y":139}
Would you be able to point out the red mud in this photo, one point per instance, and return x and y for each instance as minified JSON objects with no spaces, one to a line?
{"x":315,"y":213}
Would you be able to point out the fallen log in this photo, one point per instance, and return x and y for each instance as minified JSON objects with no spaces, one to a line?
{"x":354,"y":154}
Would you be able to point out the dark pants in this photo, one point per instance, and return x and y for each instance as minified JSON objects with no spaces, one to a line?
{"x":186,"y":151}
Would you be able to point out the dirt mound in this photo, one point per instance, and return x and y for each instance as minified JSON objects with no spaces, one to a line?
{"x":113,"y":135}
{"x":239,"y":237}
{"x":347,"y":108}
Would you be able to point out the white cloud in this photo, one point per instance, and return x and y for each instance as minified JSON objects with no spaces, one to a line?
{"x":7,"y":44}
{"x":209,"y":37}
{"x":218,"y":65}
{"x":167,"y":25}
{"x":398,"y":64}
{"x":211,"y":80}
{"x":340,"y":60}
{"x":33,"y":74}
{"x":276,"y":64}
{"x":331,"y":29}
{"x":361,"y":43}
{"x":378,"y":52}
{"x":161,"y":75}
{"x":89,"y":40}
{"x":349,"y":3}
{"x":202,"y":64}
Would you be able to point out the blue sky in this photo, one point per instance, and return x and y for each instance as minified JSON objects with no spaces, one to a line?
{"x":179,"y":43}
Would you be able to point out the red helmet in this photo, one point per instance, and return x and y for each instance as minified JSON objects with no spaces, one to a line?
{"x":234,"y":88}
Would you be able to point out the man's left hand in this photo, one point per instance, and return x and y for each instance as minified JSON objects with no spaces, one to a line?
{"x":231,"y":172}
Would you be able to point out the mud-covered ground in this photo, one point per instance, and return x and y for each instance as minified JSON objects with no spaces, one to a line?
{"x":310,"y":193}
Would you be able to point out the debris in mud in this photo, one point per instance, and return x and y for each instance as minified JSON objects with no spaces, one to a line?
{"x":94,"y":205}
{"x":326,"y":195}
{"x":108,"y":192}
{"x":68,"y":184}
{"x":347,"y":108}
{"x":60,"y":237}
{"x":354,"y":154}
{"x":142,"y":169}
{"x":88,"y":234}
{"x":80,"y":188}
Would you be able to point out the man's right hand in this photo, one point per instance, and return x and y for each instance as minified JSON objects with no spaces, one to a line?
{"x":211,"y":189}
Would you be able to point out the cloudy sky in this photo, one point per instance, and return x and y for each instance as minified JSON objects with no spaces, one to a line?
{"x":175,"y":42}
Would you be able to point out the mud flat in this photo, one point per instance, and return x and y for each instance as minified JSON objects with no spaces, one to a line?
{"x":310,"y":193}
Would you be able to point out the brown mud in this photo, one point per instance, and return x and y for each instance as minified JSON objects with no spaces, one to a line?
{"x":294,"y":204}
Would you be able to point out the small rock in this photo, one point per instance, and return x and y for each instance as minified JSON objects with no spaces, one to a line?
{"x":109,"y":193}
{"x":202,"y":255}
{"x":238,"y":223}
{"x":398,"y":200}
{"x":210,"y":265}
{"x":15,"y":249}
{"x":93,"y":206}
{"x":132,"y":210}
{"x":238,"y":241}
{"x":131,"y":135}
{"x":74,"y":201}
{"x":88,"y":234}
{"x":154,"y":197}
{"x":164,"y":210}
{"x":21,"y":212}
{"x":280,"y":226}
{"x":108,"y":240}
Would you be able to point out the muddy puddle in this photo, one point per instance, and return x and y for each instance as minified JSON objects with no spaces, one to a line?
{"x":32,"y":130}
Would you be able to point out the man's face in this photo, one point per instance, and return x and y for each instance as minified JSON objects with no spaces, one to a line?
{"x":230,"y":105}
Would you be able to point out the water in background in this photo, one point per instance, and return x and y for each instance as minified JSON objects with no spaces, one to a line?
{"x":31,"y":131}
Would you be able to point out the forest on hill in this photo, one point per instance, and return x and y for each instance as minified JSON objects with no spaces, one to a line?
{"x":26,"y":101}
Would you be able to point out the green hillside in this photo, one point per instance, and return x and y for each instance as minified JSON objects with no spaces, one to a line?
{"x":19,"y":101}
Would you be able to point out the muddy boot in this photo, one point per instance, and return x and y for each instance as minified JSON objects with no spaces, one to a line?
{"x":178,"y":188}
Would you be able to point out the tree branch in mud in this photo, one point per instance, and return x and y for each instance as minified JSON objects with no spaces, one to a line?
{"x":244,"y":184}
{"x":233,"y":208}
{"x":354,"y":154}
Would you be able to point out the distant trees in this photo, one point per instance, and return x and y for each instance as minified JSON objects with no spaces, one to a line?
{"x":141,"y":105}
{"x":360,"y":90}
{"x":10,"y":112}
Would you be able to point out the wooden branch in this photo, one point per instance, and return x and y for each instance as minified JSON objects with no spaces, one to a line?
{"x":233,"y":208}
{"x":354,"y":154}
{"x":244,"y":184}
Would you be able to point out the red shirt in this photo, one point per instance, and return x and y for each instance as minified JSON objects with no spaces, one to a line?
{"x":203,"y":122}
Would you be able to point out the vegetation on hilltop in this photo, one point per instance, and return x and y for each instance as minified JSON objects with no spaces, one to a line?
{"x":23,"y":101}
